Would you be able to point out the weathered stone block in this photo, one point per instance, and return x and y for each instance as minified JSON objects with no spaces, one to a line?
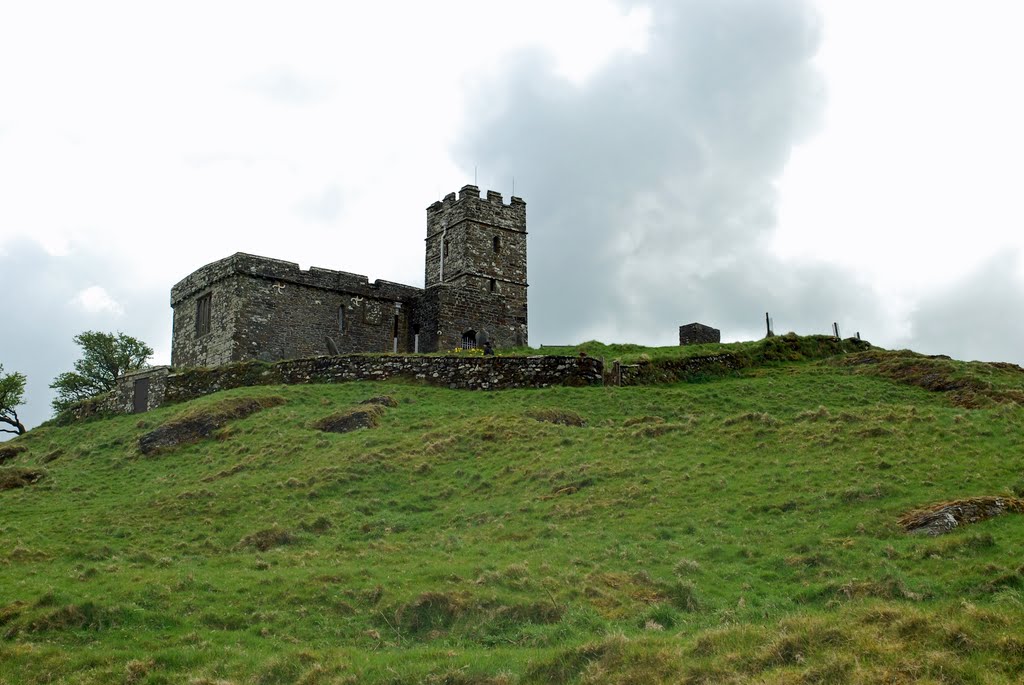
{"x":698,"y":334}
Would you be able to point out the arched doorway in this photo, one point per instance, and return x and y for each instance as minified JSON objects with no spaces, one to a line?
{"x":469,"y":339}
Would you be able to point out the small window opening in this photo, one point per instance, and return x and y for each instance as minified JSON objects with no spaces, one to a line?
{"x":497,"y":244}
{"x":203,"y":307}
{"x":446,"y":248}
{"x":341,"y":319}
{"x":494,"y":286}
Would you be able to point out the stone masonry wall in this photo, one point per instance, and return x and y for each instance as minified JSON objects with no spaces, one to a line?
{"x":122,"y":399}
{"x":484,"y":286}
{"x":698,"y":334}
{"x":469,"y":224}
{"x":270,"y":309}
{"x":217,"y":346}
{"x":465,"y":373}
{"x":462,"y":309}
{"x":673,"y":370}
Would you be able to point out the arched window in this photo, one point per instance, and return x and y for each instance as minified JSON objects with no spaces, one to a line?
{"x":203,"y":309}
{"x":494,"y":286}
{"x":497,"y":244}
{"x":341,"y":319}
{"x":469,"y":339}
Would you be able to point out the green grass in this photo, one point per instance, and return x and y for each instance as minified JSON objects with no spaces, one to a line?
{"x":741,"y":529}
{"x":789,"y":347}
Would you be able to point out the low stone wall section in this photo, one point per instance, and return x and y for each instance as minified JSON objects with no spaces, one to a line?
{"x":670,"y":371}
{"x":461,"y":373}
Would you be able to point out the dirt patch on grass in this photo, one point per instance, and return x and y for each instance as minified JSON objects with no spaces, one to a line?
{"x":561,"y":417}
{"x":52,"y":456}
{"x":433,"y":614}
{"x":642,"y":420}
{"x":430,"y":611}
{"x":888,"y":587}
{"x":758,"y":418}
{"x":944,"y":517}
{"x":937,"y":373}
{"x":198,"y":424}
{"x":12,"y":477}
{"x":367,"y":416}
{"x":237,"y":468}
{"x":85,"y":616}
{"x":267,"y":539}
{"x":9,"y":452}
{"x":382,"y":400}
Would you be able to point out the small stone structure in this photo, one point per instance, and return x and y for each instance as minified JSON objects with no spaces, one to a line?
{"x":698,"y":334}
{"x":249,"y":307}
{"x":138,"y":391}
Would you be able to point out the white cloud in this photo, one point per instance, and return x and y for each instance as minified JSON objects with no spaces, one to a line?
{"x":96,"y":300}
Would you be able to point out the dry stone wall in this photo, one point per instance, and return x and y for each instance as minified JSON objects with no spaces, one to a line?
{"x":462,"y":373}
{"x":671,"y":370}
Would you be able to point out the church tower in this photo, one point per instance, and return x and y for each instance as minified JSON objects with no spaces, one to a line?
{"x":476,"y":269}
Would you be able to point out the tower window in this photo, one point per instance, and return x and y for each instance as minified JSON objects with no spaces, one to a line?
{"x":497,"y":244}
{"x":203,"y":307}
{"x":494,"y":286}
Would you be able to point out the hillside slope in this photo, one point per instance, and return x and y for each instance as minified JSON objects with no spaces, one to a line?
{"x":742,"y":529}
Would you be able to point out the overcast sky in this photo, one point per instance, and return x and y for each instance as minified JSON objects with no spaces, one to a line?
{"x":702,"y":160}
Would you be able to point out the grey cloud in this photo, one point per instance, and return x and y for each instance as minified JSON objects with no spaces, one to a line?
{"x":37,"y":326}
{"x":650,"y":188}
{"x":980,"y":316}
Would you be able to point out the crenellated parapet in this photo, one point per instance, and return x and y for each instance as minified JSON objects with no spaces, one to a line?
{"x":489,"y":211}
{"x":283,"y":272}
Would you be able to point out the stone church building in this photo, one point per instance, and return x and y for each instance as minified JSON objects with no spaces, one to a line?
{"x":248,"y":307}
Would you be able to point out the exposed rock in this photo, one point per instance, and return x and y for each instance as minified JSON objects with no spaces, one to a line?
{"x":350,"y":420}
{"x":201,"y":423}
{"x":382,"y":400}
{"x":9,"y":452}
{"x":267,"y":539}
{"x":562,"y":417}
{"x":12,"y":477}
{"x":942,"y":518}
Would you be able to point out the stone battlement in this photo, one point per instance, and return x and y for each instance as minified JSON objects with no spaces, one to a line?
{"x":469,"y":206}
{"x":286,"y":273}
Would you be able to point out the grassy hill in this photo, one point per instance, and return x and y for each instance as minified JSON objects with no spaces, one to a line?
{"x":741,"y":529}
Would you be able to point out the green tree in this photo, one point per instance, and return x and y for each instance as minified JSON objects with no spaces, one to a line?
{"x":105,"y":358}
{"x":12,"y":394}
